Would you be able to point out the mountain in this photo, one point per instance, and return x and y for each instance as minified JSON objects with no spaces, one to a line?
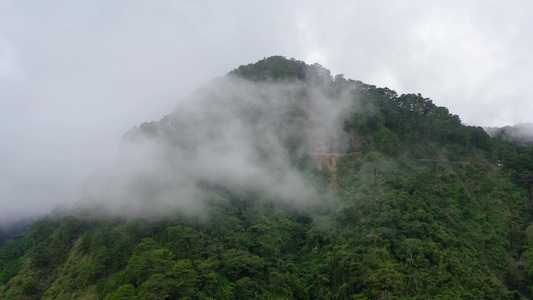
{"x":279,"y":180}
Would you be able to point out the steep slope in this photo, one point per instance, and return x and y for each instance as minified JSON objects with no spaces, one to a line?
{"x":280,"y":181}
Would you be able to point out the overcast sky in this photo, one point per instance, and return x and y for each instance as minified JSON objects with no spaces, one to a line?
{"x":76,"y":75}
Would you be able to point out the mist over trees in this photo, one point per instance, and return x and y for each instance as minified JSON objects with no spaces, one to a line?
{"x":282,"y":181}
{"x":520,"y":133}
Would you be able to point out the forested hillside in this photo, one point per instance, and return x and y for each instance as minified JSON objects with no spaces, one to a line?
{"x":281,"y":181}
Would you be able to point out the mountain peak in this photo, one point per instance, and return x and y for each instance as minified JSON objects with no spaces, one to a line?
{"x":279,"y":68}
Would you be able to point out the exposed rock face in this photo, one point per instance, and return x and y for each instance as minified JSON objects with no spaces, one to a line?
{"x":327,"y":163}
{"x":322,"y":148}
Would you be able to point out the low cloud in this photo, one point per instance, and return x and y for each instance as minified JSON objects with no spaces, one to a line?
{"x":232,"y":133}
{"x":520,"y":133}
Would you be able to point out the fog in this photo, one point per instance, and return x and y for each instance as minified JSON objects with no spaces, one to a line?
{"x":231,"y":133}
{"x":75,"y":76}
{"x":520,"y":133}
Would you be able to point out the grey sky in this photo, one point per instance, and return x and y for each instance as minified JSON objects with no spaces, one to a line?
{"x":75,"y":76}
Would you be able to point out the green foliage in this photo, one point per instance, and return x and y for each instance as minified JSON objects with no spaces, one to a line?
{"x":30,"y":288}
{"x":387,"y":142}
{"x":125,"y":292}
{"x":272,"y":68}
{"x":240,"y":263}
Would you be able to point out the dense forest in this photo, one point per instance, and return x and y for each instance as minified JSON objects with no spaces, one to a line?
{"x":406,"y":203}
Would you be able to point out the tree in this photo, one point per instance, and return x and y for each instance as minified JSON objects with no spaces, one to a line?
{"x":158,"y":286}
{"x":125,"y":292}
{"x":185,"y":279}
{"x":140,"y":265}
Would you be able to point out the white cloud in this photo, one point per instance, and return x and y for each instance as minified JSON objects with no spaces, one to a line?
{"x":8,"y":59}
